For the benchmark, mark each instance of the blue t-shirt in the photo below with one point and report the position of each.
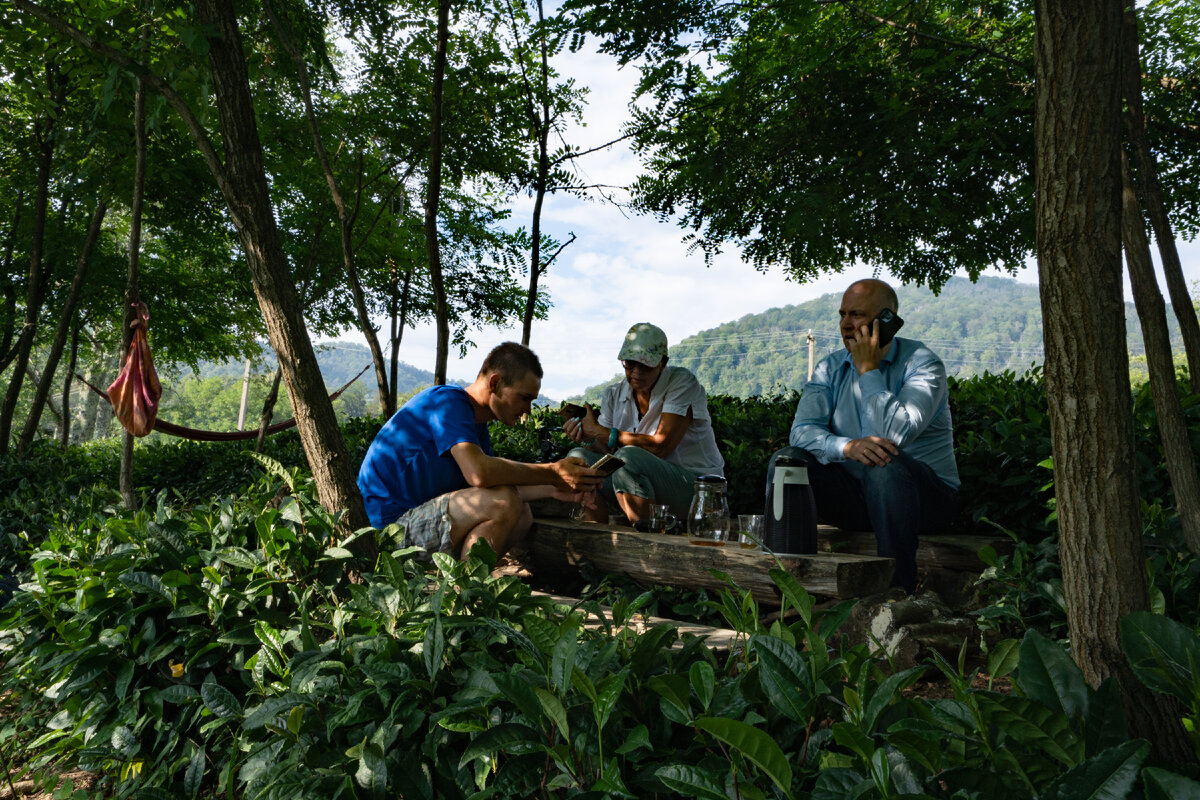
(409, 461)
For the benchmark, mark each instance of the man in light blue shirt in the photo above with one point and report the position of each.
(874, 425)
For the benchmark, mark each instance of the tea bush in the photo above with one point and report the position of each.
(216, 651)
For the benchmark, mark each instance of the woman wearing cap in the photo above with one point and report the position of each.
(656, 421)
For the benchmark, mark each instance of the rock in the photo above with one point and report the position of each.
(908, 629)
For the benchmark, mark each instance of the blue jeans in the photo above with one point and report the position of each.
(897, 501)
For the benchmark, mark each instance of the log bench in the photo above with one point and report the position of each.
(953, 552)
(557, 546)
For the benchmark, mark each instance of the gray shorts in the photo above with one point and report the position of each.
(427, 526)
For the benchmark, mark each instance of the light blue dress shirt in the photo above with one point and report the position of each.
(904, 400)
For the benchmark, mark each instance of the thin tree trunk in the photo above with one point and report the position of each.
(43, 134)
(64, 430)
(433, 197)
(345, 220)
(7, 352)
(63, 329)
(399, 321)
(243, 184)
(1152, 313)
(542, 127)
(249, 201)
(1150, 191)
(268, 410)
(132, 291)
(1078, 189)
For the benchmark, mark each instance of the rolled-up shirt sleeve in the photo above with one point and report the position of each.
(814, 417)
(903, 415)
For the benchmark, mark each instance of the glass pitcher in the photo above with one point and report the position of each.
(708, 516)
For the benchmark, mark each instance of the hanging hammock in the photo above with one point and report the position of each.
(195, 434)
(135, 393)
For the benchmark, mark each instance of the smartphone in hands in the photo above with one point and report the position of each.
(889, 322)
(572, 411)
(608, 464)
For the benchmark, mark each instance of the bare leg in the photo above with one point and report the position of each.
(635, 508)
(497, 515)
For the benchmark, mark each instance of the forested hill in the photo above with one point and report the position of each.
(993, 325)
(339, 362)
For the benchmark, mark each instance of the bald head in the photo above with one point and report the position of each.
(877, 292)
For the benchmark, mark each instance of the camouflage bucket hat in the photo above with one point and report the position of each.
(645, 344)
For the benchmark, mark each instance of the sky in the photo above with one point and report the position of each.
(624, 268)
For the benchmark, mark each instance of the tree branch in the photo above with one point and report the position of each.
(190, 120)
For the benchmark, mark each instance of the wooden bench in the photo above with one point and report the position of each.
(953, 552)
(557, 546)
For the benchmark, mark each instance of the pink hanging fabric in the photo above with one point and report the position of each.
(135, 393)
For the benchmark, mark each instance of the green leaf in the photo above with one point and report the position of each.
(689, 781)
(146, 583)
(434, 645)
(219, 700)
(1004, 657)
(838, 783)
(123, 679)
(794, 593)
(505, 736)
(1164, 655)
(178, 693)
(270, 709)
(1107, 776)
(124, 741)
(372, 768)
(239, 557)
(638, 738)
(562, 658)
(193, 777)
(754, 744)
(553, 709)
(784, 676)
(1163, 785)
(1047, 674)
(703, 681)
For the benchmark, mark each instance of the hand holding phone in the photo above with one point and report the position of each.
(608, 464)
(889, 322)
(572, 411)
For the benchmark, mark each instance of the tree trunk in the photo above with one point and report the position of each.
(43, 134)
(60, 333)
(399, 320)
(268, 410)
(433, 197)
(64, 430)
(542, 127)
(132, 292)
(249, 202)
(1078, 189)
(345, 220)
(9, 317)
(1152, 312)
(1146, 173)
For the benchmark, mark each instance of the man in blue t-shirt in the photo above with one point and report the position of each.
(873, 424)
(431, 467)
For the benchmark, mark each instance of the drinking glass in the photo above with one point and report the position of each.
(750, 530)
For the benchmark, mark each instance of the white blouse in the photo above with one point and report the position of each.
(675, 392)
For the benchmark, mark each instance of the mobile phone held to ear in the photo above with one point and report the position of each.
(572, 411)
(889, 323)
(608, 464)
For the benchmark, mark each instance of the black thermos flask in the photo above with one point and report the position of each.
(790, 518)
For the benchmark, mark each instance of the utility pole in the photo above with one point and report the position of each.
(812, 351)
(245, 392)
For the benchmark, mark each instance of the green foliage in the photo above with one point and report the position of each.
(217, 649)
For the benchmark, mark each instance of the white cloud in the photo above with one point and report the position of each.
(624, 268)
